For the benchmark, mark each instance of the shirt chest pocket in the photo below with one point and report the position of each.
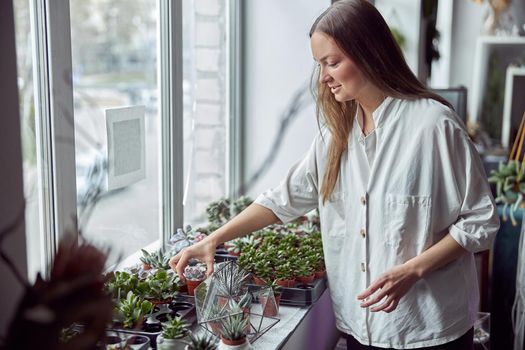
(334, 215)
(406, 222)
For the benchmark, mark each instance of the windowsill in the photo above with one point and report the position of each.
(134, 258)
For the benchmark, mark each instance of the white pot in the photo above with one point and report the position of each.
(244, 346)
(171, 344)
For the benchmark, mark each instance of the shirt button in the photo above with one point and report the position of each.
(363, 267)
(363, 233)
(363, 200)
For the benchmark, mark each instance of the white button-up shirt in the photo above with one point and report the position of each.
(425, 179)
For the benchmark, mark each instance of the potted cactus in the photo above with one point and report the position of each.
(174, 334)
(195, 273)
(233, 336)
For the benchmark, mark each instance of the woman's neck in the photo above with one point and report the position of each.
(369, 99)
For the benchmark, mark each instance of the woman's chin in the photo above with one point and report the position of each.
(341, 98)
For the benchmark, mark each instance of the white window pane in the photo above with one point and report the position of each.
(114, 48)
(205, 62)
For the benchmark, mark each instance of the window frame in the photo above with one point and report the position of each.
(54, 123)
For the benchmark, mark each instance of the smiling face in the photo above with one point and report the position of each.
(336, 69)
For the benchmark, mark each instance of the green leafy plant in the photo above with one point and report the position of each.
(303, 267)
(284, 271)
(247, 259)
(175, 328)
(120, 283)
(219, 212)
(162, 285)
(263, 269)
(510, 186)
(132, 310)
(235, 246)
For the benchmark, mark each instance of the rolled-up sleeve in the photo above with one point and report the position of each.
(297, 194)
(477, 216)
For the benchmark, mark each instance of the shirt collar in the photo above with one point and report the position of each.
(377, 115)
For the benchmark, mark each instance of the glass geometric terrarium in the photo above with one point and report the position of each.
(225, 295)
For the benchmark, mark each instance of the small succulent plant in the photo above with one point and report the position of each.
(195, 272)
(156, 260)
(204, 341)
(510, 186)
(233, 327)
(132, 310)
(175, 328)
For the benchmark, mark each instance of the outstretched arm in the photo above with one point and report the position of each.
(251, 219)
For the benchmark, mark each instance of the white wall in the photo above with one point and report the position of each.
(11, 186)
(277, 62)
(404, 16)
(467, 21)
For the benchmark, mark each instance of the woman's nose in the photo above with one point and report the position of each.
(323, 77)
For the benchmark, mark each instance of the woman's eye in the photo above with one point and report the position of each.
(332, 64)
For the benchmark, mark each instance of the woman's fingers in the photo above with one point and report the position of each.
(377, 284)
(376, 299)
(386, 304)
(181, 262)
(174, 260)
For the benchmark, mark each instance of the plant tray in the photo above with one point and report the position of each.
(222, 254)
(183, 306)
(299, 295)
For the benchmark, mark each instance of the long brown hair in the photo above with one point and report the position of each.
(363, 35)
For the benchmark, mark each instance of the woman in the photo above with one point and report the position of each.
(402, 197)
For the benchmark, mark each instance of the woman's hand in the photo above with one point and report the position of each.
(389, 288)
(203, 251)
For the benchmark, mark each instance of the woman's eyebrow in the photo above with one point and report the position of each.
(324, 57)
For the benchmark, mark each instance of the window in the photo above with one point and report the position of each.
(32, 183)
(207, 109)
(79, 58)
(115, 64)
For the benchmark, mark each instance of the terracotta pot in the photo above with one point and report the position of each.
(183, 288)
(306, 279)
(233, 342)
(269, 308)
(191, 286)
(320, 274)
(146, 267)
(289, 283)
(159, 302)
